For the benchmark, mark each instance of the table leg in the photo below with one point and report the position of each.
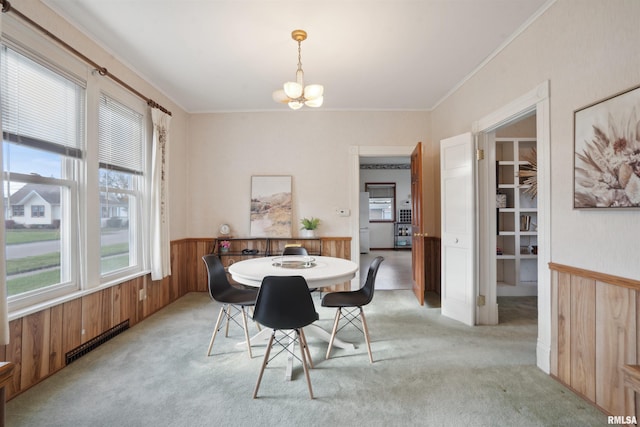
(288, 373)
(261, 338)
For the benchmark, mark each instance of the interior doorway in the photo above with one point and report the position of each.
(533, 103)
(385, 219)
(358, 155)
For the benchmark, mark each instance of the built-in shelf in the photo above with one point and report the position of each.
(516, 266)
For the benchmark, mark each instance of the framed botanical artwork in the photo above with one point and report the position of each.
(607, 152)
(271, 206)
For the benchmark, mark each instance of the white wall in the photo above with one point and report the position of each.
(311, 146)
(588, 51)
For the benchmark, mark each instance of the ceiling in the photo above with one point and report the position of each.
(230, 55)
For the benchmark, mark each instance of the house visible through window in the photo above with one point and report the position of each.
(17, 210)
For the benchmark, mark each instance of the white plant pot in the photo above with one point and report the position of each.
(307, 233)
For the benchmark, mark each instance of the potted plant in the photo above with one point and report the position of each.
(224, 246)
(309, 226)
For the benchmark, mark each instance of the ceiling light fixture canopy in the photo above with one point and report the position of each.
(296, 94)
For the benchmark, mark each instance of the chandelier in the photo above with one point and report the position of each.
(296, 94)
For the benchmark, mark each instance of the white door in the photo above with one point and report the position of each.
(457, 216)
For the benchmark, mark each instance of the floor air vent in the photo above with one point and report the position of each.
(85, 348)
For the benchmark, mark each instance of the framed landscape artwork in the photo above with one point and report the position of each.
(271, 206)
(607, 153)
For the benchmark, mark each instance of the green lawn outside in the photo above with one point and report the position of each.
(113, 257)
(18, 285)
(37, 280)
(14, 237)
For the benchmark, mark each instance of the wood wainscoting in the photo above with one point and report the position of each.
(432, 262)
(39, 341)
(594, 334)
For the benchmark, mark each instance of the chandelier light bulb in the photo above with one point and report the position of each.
(293, 90)
(313, 91)
(280, 96)
(315, 103)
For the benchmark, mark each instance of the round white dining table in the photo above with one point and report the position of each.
(318, 271)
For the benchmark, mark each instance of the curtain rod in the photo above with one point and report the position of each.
(6, 7)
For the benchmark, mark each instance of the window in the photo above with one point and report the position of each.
(382, 201)
(121, 134)
(74, 160)
(43, 133)
(37, 211)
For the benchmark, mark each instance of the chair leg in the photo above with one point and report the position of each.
(366, 334)
(304, 360)
(215, 330)
(333, 331)
(303, 344)
(226, 332)
(264, 364)
(246, 331)
(257, 324)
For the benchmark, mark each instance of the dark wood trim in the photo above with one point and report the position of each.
(6, 376)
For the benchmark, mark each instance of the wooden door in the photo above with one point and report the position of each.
(417, 241)
(458, 229)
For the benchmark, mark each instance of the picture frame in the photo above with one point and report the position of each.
(271, 206)
(607, 152)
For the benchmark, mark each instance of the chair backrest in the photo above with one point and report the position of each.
(218, 281)
(295, 250)
(284, 302)
(369, 284)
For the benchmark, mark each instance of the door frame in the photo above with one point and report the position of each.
(355, 152)
(536, 100)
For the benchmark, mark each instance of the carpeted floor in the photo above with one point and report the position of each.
(428, 370)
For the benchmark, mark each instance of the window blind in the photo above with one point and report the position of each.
(120, 136)
(40, 108)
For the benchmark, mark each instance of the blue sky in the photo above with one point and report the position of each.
(21, 159)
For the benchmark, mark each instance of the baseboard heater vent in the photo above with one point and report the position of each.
(85, 348)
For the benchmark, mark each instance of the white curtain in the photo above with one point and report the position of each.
(159, 224)
(4, 310)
